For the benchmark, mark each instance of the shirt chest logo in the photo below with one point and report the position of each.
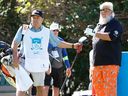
(36, 44)
(116, 33)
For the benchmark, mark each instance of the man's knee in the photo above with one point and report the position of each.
(39, 87)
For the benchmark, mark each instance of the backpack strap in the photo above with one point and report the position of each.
(24, 29)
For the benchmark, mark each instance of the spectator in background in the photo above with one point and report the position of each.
(58, 56)
(90, 87)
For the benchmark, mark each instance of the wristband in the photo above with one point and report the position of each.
(73, 45)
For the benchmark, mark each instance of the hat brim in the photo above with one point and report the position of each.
(36, 15)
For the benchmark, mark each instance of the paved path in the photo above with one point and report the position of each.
(5, 88)
(7, 91)
(7, 94)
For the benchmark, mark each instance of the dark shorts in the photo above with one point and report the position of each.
(57, 75)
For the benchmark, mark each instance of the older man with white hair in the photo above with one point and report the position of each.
(107, 52)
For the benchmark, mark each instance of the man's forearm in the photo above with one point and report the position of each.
(64, 44)
(103, 36)
(15, 54)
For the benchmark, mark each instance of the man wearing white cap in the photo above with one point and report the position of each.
(107, 52)
(58, 56)
(35, 43)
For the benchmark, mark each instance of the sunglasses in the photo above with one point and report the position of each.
(105, 10)
(35, 17)
(55, 30)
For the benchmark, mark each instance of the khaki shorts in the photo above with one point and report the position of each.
(38, 78)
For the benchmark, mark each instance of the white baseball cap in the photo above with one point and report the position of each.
(54, 26)
(108, 5)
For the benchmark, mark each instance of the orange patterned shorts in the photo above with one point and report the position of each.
(104, 80)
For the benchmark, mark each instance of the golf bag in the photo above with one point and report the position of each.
(6, 63)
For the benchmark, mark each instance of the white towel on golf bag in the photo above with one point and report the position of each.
(23, 80)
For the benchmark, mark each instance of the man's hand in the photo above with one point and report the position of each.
(16, 63)
(68, 72)
(78, 47)
(49, 71)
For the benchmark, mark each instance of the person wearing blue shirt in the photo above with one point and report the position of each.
(35, 46)
(57, 57)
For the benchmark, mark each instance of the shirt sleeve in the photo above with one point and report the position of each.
(54, 40)
(18, 36)
(116, 31)
(65, 58)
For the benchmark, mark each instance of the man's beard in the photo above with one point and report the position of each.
(104, 20)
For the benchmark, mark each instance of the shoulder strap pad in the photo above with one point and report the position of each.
(25, 28)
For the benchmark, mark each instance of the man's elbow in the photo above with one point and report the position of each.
(60, 45)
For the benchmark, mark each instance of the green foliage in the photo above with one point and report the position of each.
(9, 20)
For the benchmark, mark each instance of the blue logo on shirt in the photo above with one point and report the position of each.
(36, 44)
